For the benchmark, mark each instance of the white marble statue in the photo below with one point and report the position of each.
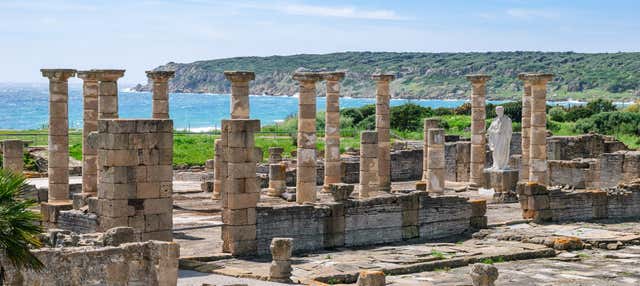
(499, 136)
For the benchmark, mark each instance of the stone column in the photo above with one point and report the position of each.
(90, 124)
(219, 169)
(108, 93)
(136, 178)
(275, 154)
(241, 193)
(160, 98)
(280, 270)
(538, 138)
(368, 162)
(435, 161)
(478, 130)
(277, 180)
(429, 123)
(383, 126)
(239, 92)
(526, 128)
(306, 162)
(58, 171)
(12, 155)
(58, 133)
(332, 130)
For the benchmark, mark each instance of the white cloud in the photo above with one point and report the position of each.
(338, 12)
(531, 13)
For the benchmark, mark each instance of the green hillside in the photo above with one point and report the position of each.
(427, 75)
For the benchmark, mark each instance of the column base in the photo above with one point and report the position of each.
(504, 183)
(51, 210)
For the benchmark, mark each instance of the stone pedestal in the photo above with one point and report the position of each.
(277, 183)
(478, 128)
(160, 99)
(526, 128)
(383, 127)
(90, 124)
(503, 182)
(13, 155)
(108, 93)
(239, 92)
(58, 171)
(332, 130)
(306, 154)
(275, 154)
(207, 180)
(368, 162)
(219, 169)
(136, 178)
(435, 161)
(241, 194)
(280, 270)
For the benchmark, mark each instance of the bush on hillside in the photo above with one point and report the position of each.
(616, 122)
(409, 117)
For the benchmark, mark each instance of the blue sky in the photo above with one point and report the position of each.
(139, 35)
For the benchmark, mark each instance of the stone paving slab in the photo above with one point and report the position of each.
(343, 265)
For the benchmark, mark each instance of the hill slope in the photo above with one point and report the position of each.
(425, 75)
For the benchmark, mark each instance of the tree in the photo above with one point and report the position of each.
(19, 226)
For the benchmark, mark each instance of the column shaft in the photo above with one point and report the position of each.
(429, 123)
(239, 93)
(383, 126)
(538, 147)
(332, 173)
(108, 93)
(368, 162)
(525, 132)
(478, 128)
(12, 155)
(90, 124)
(160, 97)
(436, 161)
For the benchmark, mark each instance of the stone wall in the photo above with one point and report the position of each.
(363, 222)
(143, 263)
(578, 173)
(582, 146)
(618, 167)
(557, 204)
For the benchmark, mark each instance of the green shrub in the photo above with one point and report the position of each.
(353, 113)
(601, 105)
(464, 109)
(369, 123)
(409, 117)
(512, 109)
(616, 122)
(441, 111)
(577, 112)
(557, 113)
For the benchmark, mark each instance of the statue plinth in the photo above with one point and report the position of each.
(503, 182)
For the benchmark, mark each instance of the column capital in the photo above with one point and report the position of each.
(383, 77)
(536, 78)
(307, 76)
(478, 78)
(239, 76)
(333, 76)
(89, 75)
(109, 75)
(160, 76)
(58, 74)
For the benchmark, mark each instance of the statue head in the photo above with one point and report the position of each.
(499, 111)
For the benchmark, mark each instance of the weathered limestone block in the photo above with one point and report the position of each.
(275, 154)
(383, 126)
(277, 183)
(371, 278)
(13, 155)
(538, 133)
(160, 98)
(239, 92)
(611, 169)
(578, 173)
(219, 169)
(90, 124)
(429, 123)
(478, 118)
(368, 162)
(280, 270)
(503, 182)
(306, 153)
(483, 274)
(478, 218)
(534, 201)
(526, 128)
(108, 93)
(435, 161)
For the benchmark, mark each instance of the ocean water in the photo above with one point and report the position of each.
(26, 107)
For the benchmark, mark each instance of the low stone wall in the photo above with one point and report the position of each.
(582, 146)
(619, 167)
(78, 221)
(557, 204)
(579, 173)
(141, 263)
(363, 222)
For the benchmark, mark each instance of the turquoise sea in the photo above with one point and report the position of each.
(24, 106)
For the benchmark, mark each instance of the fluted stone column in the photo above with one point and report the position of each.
(538, 145)
(90, 124)
(429, 123)
(435, 159)
(332, 130)
(306, 162)
(383, 126)
(108, 93)
(58, 133)
(12, 155)
(239, 92)
(160, 98)
(478, 117)
(368, 162)
(219, 170)
(526, 128)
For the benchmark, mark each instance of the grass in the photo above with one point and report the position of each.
(498, 259)
(438, 254)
